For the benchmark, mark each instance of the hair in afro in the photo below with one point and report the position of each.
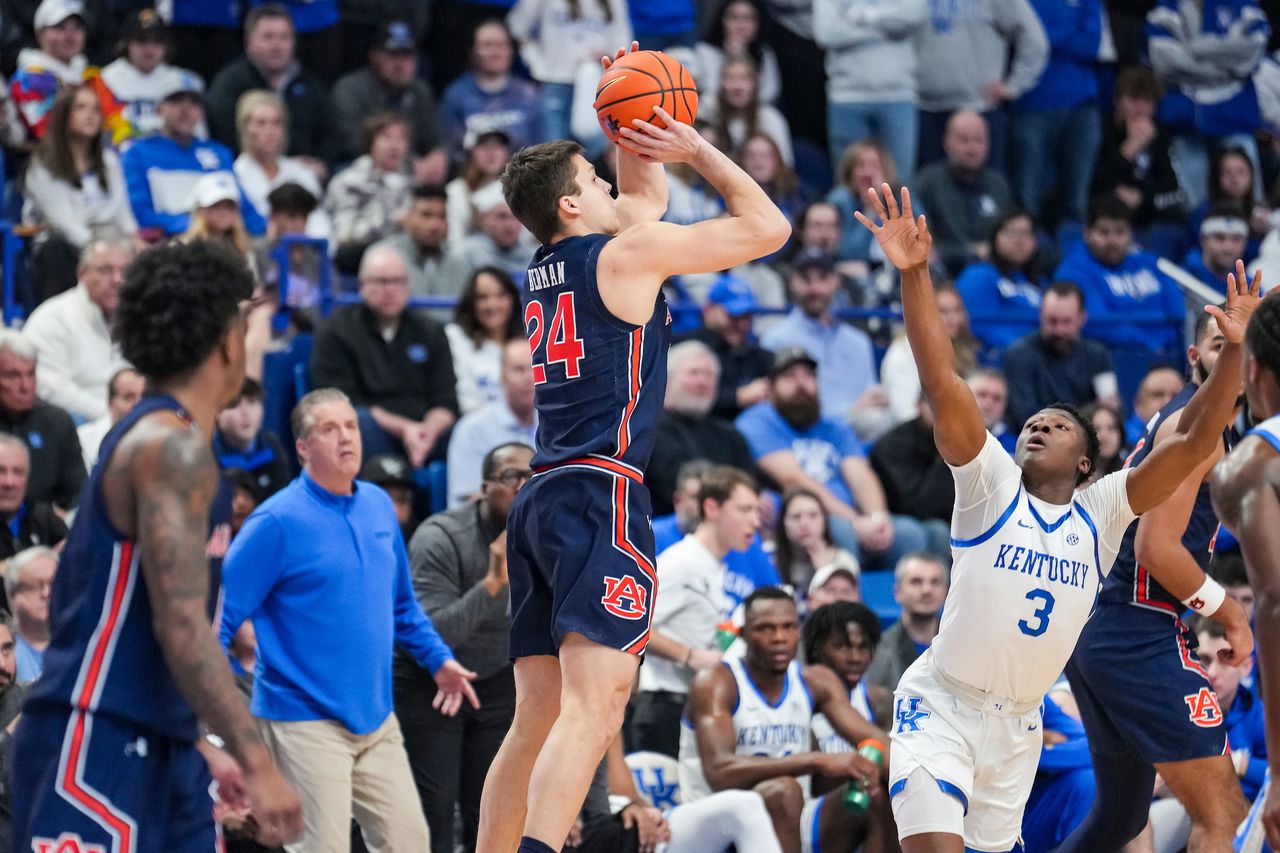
(176, 303)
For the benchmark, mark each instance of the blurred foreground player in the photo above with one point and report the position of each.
(1246, 495)
(106, 754)
(580, 548)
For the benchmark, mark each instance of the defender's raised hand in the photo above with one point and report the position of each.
(905, 239)
(1243, 297)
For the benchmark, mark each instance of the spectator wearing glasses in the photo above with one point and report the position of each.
(28, 581)
(459, 561)
(393, 363)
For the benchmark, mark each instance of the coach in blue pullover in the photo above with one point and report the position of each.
(322, 571)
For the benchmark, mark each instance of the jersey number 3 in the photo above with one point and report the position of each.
(1041, 616)
(563, 344)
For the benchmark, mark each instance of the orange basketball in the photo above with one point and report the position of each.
(637, 83)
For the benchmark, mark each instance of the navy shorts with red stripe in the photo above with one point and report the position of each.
(93, 783)
(1141, 689)
(580, 558)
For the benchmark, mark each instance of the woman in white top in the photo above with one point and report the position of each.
(898, 374)
(75, 188)
(734, 33)
(803, 546)
(487, 155)
(261, 120)
(485, 318)
(556, 37)
(739, 113)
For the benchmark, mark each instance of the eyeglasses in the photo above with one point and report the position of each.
(512, 477)
(386, 281)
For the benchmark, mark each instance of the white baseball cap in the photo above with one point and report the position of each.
(178, 84)
(215, 187)
(489, 197)
(827, 572)
(50, 13)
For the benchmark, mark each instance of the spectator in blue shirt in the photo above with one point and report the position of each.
(323, 573)
(1056, 127)
(1002, 293)
(1131, 302)
(797, 448)
(1064, 787)
(1223, 237)
(161, 171)
(1055, 364)
(488, 97)
(659, 24)
(844, 355)
(1160, 385)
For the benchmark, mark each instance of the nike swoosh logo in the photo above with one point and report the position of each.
(1032, 728)
(1022, 523)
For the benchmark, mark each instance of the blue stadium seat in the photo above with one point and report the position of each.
(433, 479)
(877, 593)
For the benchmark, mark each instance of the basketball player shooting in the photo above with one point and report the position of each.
(1246, 495)
(580, 550)
(1029, 555)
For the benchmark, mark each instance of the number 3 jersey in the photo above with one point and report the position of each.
(600, 381)
(1025, 575)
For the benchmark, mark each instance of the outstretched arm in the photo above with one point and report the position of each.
(958, 428)
(1208, 412)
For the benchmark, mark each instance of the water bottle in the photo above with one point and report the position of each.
(856, 798)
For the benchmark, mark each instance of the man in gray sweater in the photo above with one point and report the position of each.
(459, 564)
(981, 54)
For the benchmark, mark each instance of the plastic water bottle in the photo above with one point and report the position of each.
(856, 799)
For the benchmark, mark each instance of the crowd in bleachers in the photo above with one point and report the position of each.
(1080, 165)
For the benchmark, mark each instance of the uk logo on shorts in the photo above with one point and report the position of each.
(624, 598)
(1204, 708)
(67, 842)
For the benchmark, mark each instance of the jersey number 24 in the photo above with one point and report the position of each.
(563, 344)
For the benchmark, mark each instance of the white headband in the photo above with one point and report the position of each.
(1224, 225)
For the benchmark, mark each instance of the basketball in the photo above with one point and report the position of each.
(637, 83)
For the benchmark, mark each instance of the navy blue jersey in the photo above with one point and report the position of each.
(103, 656)
(1130, 582)
(600, 381)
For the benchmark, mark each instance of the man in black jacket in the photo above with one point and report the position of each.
(744, 364)
(270, 63)
(26, 523)
(687, 429)
(916, 480)
(394, 364)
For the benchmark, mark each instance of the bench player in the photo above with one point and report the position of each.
(749, 726)
(1246, 494)
(105, 758)
(1030, 553)
(1146, 703)
(580, 548)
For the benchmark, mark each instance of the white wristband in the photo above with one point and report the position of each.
(1208, 598)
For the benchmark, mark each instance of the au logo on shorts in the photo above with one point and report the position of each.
(1204, 709)
(624, 598)
(67, 842)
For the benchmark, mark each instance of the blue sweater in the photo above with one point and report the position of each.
(206, 13)
(1001, 308)
(161, 175)
(663, 16)
(1131, 304)
(1245, 730)
(308, 15)
(1070, 79)
(325, 579)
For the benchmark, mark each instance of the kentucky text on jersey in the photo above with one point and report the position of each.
(774, 734)
(1028, 561)
(551, 275)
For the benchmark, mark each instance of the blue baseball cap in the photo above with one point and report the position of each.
(733, 295)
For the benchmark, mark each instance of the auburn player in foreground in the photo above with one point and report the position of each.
(580, 548)
(1246, 495)
(1030, 553)
(106, 756)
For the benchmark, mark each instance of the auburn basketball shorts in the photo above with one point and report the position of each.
(92, 783)
(580, 557)
(1141, 689)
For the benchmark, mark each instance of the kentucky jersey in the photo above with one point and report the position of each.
(1129, 581)
(600, 381)
(826, 736)
(103, 656)
(761, 727)
(1025, 575)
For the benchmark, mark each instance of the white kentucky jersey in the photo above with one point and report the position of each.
(760, 727)
(826, 736)
(1268, 431)
(1025, 576)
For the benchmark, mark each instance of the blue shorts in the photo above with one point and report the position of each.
(580, 558)
(1141, 688)
(97, 784)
